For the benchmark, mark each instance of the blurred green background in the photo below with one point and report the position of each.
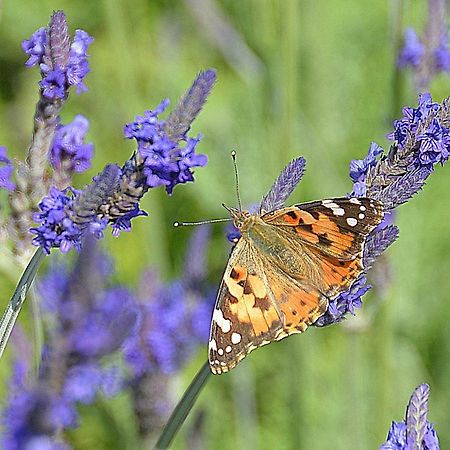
(294, 78)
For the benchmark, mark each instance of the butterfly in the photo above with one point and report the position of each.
(283, 271)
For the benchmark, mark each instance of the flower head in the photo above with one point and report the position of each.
(166, 162)
(69, 151)
(63, 64)
(35, 47)
(360, 167)
(415, 432)
(344, 303)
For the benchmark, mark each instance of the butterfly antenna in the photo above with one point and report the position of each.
(202, 222)
(236, 175)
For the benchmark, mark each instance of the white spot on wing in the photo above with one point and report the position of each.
(337, 210)
(362, 208)
(220, 351)
(355, 201)
(228, 348)
(361, 216)
(222, 323)
(236, 338)
(351, 221)
(213, 345)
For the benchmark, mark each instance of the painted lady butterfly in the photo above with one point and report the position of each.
(283, 271)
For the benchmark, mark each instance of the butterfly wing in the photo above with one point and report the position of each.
(258, 303)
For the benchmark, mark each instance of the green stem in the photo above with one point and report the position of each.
(15, 304)
(183, 408)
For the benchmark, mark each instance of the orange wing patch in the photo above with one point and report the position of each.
(270, 306)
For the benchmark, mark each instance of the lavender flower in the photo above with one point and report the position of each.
(165, 161)
(283, 186)
(421, 140)
(62, 64)
(69, 153)
(415, 433)
(35, 47)
(57, 229)
(175, 321)
(344, 303)
(78, 65)
(413, 50)
(360, 167)
(429, 54)
(167, 337)
(113, 196)
(86, 323)
(6, 171)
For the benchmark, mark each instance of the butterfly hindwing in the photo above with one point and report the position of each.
(258, 303)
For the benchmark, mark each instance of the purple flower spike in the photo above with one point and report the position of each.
(442, 55)
(413, 50)
(179, 121)
(416, 432)
(166, 162)
(6, 171)
(69, 151)
(63, 64)
(421, 140)
(284, 186)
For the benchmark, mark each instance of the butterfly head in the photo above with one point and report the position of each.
(242, 220)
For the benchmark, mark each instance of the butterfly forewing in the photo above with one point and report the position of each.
(338, 227)
(283, 271)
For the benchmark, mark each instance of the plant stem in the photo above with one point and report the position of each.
(15, 304)
(183, 408)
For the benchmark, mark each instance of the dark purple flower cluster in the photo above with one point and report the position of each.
(69, 68)
(344, 303)
(414, 51)
(69, 152)
(57, 228)
(34, 416)
(415, 431)
(432, 137)
(6, 171)
(166, 162)
(86, 324)
(175, 322)
(360, 167)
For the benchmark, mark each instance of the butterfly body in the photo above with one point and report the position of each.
(283, 271)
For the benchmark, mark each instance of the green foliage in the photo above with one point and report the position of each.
(294, 78)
